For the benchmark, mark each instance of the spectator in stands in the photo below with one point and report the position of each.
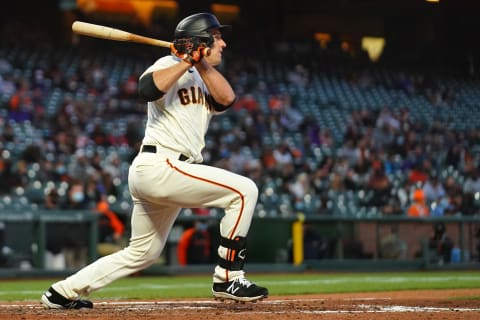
(8, 133)
(418, 207)
(80, 167)
(433, 189)
(327, 138)
(194, 245)
(18, 177)
(56, 233)
(72, 240)
(387, 119)
(60, 171)
(98, 135)
(52, 199)
(418, 175)
(76, 198)
(20, 104)
(337, 182)
(247, 102)
(458, 205)
(440, 207)
(440, 244)
(454, 155)
(392, 246)
(284, 159)
(5, 175)
(290, 117)
(298, 76)
(299, 188)
(315, 246)
(471, 189)
(456, 197)
(275, 102)
(348, 151)
(111, 229)
(238, 160)
(379, 183)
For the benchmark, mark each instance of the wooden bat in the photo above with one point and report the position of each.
(103, 32)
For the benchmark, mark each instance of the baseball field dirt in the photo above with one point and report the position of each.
(396, 305)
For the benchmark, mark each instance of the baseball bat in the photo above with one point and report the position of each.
(103, 32)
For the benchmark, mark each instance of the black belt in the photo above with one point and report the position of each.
(153, 149)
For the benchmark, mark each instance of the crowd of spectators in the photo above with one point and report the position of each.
(76, 149)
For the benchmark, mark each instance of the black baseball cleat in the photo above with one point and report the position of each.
(51, 299)
(239, 290)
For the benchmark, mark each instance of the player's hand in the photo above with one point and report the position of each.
(189, 51)
(197, 55)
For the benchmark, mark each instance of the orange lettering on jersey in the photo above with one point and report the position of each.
(184, 97)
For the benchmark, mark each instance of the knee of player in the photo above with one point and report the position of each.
(147, 253)
(250, 189)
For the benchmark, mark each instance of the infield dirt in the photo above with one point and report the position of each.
(396, 305)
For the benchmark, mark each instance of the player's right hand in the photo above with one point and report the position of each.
(189, 51)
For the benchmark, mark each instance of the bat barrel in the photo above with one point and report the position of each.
(104, 32)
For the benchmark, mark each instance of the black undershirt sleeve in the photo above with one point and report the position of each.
(220, 107)
(147, 89)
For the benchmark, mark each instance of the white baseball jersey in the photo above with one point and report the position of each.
(179, 120)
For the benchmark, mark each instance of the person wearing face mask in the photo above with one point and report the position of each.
(76, 197)
(66, 241)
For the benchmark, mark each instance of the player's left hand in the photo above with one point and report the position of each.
(189, 50)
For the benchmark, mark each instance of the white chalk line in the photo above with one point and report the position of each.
(249, 308)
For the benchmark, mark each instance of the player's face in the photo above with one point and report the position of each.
(215, 57)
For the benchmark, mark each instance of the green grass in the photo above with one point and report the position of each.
(278, 284)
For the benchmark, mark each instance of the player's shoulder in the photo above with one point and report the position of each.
(165, 61)
(161, 63)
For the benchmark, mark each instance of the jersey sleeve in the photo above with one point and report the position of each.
(161, 63)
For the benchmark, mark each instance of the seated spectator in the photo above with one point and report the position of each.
(471, 189)
(418, 207)
(52, 199)
(418, 174)
(248, 102)
(440, 207)
(380, 184)
(299, 187)
(433, 189)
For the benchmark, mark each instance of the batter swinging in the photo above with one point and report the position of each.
(184, 91)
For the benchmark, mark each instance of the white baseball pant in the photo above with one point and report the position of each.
(161, 185)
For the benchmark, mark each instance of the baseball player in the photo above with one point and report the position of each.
(184, 90)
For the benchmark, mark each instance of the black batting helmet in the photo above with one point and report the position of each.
(198, 25)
